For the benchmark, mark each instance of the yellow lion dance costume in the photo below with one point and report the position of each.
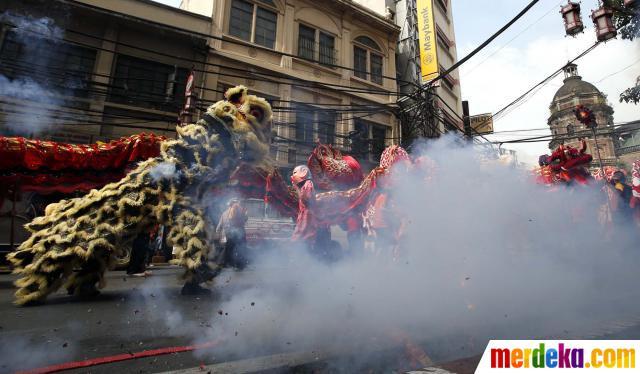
(90, 232)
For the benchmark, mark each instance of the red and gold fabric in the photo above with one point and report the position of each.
(17, 153)
(48, 167)
(331, 170)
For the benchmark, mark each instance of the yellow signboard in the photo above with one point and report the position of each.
(427, 38)
(482, 123)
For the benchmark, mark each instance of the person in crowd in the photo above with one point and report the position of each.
(635, 185)
(139, 253)
(306, 229)
(232, 235)
(621, 205)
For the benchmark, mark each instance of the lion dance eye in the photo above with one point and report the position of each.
(257, 112)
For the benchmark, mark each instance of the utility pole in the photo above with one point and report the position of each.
(466, 121)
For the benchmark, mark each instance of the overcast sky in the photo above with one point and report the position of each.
(525, 54)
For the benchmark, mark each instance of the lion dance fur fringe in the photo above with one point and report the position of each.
(77, 240)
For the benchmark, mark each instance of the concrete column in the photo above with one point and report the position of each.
(210, 79)
(346, 54)
(390, 84)
(105, 59)
(217, 22)
(345, 126)
(286, 30)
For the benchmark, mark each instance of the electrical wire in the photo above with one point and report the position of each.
(484, 44)
(514, 38)
(227, 40)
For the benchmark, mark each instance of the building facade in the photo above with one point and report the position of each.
(97, 70)
(119, 67)
(82, 71)
(448, 95)
(628, 150)
(566, 129)
(334, 69)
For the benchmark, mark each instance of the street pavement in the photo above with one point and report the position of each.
(127, 317)
(134, 315)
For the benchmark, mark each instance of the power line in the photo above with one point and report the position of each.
(381, 91)
(77, 73)
(619, 71)
(304, 82)
(226, 40)
(543, 82)
(515, 37)
(484, 44)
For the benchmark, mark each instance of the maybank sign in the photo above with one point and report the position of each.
(552, 356)
(427, 39)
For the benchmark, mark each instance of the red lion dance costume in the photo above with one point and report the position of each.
(566, 164)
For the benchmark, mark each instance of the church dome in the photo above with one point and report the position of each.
(574, 85)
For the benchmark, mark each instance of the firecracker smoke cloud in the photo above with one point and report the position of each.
(487, 254)
(36, 92)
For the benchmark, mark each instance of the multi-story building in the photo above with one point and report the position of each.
(405, 14)
(327, 67)
(628, 149)
(96, 70)
(119, 67)
(82, 71)
(565, 128)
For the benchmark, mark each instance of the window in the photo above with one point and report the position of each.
(449, 81)
(312, 124)
(326, 126)
(378, 135)
(148, 84)
(367, 59)
(376, 68)
(242, 25)
(306, 42)
(291, 156)
(443, 41)
(368, 139)
(65, 69)
(360, 62)
(316, 45)
(304, 125)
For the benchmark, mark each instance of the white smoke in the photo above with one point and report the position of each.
(487, 254)
(163, 171)
(34, 97)
(27, 26)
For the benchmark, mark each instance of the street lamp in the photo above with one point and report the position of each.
(572, 20)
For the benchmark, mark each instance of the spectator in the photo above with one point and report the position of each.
(232, 235)
(139, 253)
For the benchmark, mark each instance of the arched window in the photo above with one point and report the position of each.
(367, 59)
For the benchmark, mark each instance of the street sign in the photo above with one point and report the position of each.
(482, 124)
(427, 40)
